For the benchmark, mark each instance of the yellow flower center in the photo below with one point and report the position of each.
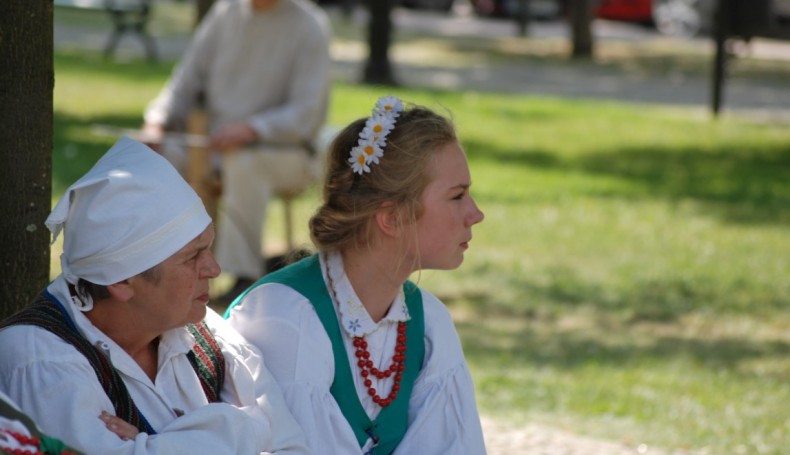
(377, 128)
(369, 150)
(361, 160)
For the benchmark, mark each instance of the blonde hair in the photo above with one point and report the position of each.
(350, 200)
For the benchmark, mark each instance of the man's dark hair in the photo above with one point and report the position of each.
(100, 292)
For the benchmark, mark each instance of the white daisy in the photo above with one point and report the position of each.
(390, 104)
(378, 125)
(358, 160)
(371, 149)
(379, 139)
(373, 137)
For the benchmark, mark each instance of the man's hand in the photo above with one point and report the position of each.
(153, 135)
(232, 137)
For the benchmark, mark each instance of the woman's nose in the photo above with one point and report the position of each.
(210, 267)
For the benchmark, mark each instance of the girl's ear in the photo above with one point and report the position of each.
(122, 291)
(388, 219)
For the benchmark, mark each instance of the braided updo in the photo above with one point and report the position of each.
(350, 200)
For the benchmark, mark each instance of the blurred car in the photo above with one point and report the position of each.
(675, 17)
(683, 17)
(538, 9)
(625, 10)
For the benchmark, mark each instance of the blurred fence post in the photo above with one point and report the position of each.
(522, 17)
(378, 69)
(735, 18)
(720, 32)
(581, 17)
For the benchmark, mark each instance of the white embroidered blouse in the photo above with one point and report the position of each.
(283, 324)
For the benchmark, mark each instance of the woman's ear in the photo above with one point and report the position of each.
(388, 219)
(121, 291)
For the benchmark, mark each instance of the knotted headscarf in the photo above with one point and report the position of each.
(130, 212)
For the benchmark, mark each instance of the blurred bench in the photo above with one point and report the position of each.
(127, 16)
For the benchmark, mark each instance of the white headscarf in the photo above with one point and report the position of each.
(130, 212)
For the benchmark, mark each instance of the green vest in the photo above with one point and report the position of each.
(391, 423)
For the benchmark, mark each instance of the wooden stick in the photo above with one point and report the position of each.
(200, 171)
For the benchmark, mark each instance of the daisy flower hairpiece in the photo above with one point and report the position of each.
(373, 137)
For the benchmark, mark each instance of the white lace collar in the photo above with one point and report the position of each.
(354, 318)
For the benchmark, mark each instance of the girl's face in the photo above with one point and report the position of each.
(449, 212)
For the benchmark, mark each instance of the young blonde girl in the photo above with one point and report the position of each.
(367, 361)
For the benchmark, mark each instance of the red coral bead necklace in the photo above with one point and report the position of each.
(366, 368)
(365, 364)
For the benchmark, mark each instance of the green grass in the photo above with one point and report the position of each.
(89, 91)
(630, 280)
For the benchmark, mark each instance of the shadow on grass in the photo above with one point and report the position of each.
(735, 183)
(506, 339)
(662, 300)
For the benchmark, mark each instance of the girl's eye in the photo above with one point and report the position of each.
(459, 196)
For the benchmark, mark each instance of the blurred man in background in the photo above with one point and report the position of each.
(261, 70)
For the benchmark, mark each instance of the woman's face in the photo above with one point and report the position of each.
(180, 295)
(449, 212)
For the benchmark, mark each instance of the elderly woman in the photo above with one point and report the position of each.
(119, 354)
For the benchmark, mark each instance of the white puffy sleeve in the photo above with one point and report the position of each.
(283, 325)
(443, 415)
(250, 386)
(55, 385)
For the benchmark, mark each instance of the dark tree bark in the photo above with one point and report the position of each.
(581, 17)
(26, 84)
(378, 69)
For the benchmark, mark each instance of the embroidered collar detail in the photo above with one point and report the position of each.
(354, 318)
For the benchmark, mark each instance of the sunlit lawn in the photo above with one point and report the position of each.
(630, 280)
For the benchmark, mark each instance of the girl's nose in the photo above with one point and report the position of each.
(477, 215)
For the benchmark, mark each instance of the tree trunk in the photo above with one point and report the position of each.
(378, 69)
(26, 83)
(201, 8)
(581, 17)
